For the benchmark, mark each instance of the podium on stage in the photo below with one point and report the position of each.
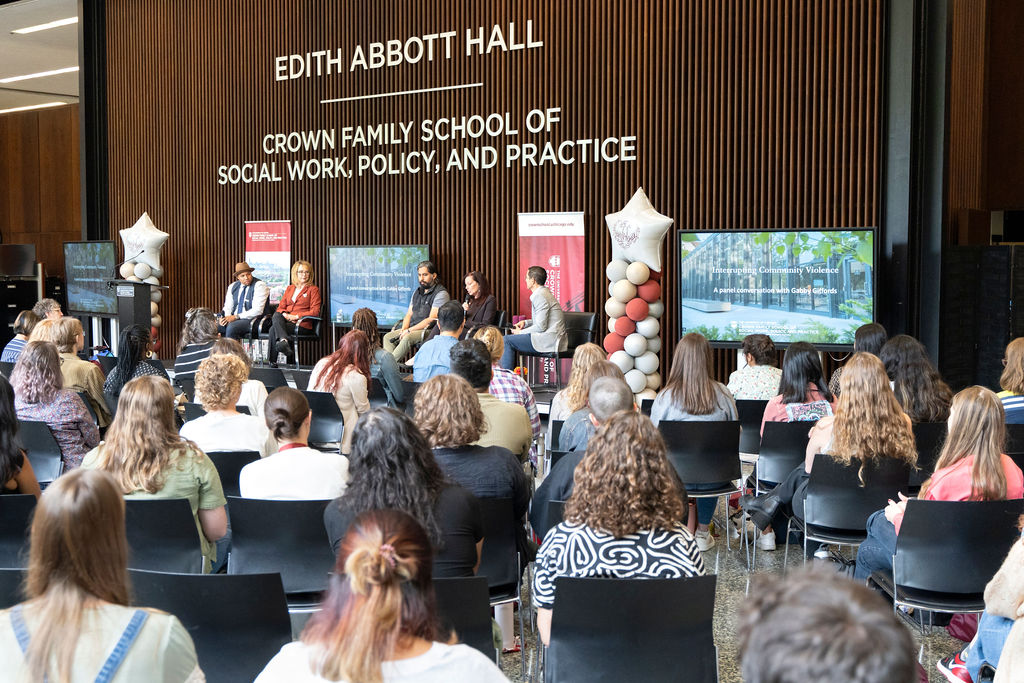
(133, 299)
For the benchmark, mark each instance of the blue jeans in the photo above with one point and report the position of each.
(705, 506)
(513, 343)
(875, 553)
(987, 646)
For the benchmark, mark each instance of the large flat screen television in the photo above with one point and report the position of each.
(793, 285)
(88, 266)
(380, 278)
(18, 260)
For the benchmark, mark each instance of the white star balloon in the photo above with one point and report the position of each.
(637, 231)
(142, 242)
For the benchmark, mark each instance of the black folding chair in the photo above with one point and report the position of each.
(107, 363)
(1015, 438)
(410, 396)
(580, 328)
(187, 386)
(238, 623)
(499, 558)
(626, 630)
(301, 378)
(11, 581)
(272, 378)
(463, 606)
(751, 412)
(646, 404)
(88, 406)
(15, 517)
(229, 465)
(328, 425)
(376, 393)
(162, 535)
(42, 449)
(556, 431)
(6, 369)
(783, 448)
(929, 437)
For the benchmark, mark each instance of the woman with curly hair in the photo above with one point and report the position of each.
(626, 509)
(393, 467)
(197, 337)
(379, 620)
(39, 395)
(574, 396)
(16, 475)
(915, 381)
(254, 392)
(1012, 382)
(148, 459)
(383, 365)
(346, 374)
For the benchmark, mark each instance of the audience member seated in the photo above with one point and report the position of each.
(691, 394)
(346, 373)
(254, 393)
(378, 621)
(198, 335)
(245, 300)
(815, 625)
(16, 475)
(77, 625)
(301, 298)
(79, 375)
(545, 330)
(296, 471)
(23, 326)
(393, 467)
(507, 385)
(133, 350)
(505, 424)
(148, 459)
(972, 466)
(574, 397)
(803, 396)
(607, 397)
(39, 395)
(578, 428)
(223, 428)
(759, 378)
(383, 365)
(1012, 382)
(627, 510)
(47, 309)
(915, 381)
(999, 643)
(869, 425)
(433, 357)
(868, 338)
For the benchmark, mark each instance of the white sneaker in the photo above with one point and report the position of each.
(822, 553)
(766, 541)
(734, 525)
(705, 541)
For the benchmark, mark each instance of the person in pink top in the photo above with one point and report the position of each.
(972, 466)
(804, 395)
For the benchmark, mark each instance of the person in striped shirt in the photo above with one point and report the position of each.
(1012, 382)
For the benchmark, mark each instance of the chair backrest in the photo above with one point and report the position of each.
(15, 516)
(929, 437)
(88, 406)
(6, 369)
(463, 606)
(376, 393)
(42, 449)
(498, 558)
(301, 378)
(836, 498)
(954, 546)
(1017, 458)
(1015, 438)
(783, 447)
(633, 630)
(556, 513)
(111, 401)
(306, 333)
(11, 581)
(194, 411)
(107, 363)
(328, 425)
(703, 452)
(556, 456)
(646, 404)
(410, 396)
(187, 386)
(285, 536)
(579, 328)
(501, 320)
(229, 465)
(162, 535)
(238, 623)
(556, 430)
(750, 411)
(272, 378)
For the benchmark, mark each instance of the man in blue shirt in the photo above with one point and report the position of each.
(434, 358)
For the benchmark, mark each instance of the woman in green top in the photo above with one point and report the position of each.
(148, 459)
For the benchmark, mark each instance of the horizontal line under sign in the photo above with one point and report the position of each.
(402, 92)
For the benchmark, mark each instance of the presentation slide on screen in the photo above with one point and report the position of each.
(380, 278)
(88, 267)
(801, 285)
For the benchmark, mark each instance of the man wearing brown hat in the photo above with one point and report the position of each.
(246, 299)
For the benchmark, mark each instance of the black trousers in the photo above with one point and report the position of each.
(281, 328)
(792, 492)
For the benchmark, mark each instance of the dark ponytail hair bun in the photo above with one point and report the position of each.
(285, 411)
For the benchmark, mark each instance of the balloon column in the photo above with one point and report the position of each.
(142, 244)
(634, 305)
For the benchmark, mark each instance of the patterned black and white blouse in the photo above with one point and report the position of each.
(580, 551)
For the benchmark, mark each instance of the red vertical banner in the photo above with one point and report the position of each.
(268, 249)
(553, 241)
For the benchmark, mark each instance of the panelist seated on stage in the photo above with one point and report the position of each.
(246, 298)
(301, 298)
(426, 300)
(545, 330)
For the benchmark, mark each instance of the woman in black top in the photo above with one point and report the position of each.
(392, 466)
(131, 360)
(480, 304)
(16, 475)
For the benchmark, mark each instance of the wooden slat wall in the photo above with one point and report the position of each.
(750, 114)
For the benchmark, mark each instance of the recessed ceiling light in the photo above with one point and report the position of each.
(43, 27)
(44, 105)
(41, 74)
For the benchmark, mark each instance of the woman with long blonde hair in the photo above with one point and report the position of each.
(148, 459)
(1012, 382)
(379, 623)
(78, 596)
(574, 396)
(971, 466)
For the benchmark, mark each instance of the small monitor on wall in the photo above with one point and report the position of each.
(17, 260)
(793, 285)
(88, 267)
(381, 278)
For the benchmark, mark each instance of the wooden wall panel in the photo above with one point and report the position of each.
(749, 114)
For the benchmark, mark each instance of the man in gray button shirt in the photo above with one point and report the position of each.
(545, 331)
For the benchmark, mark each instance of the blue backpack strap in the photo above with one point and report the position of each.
(131, 632)
(20, 629)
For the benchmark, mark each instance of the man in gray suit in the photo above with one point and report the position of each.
(545, 331)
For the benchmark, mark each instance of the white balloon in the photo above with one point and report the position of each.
(157, 321)
(654, 344)
(624, 291)
(638, 272)
(649, 327)
(616, 270)
(611, 288)
(614, 308)
(153, 308)
(656, 309)
(157, 271)
(638, 231)
(155, 295)
(611, 323)
(143, 270)
(647, 363)
(127, 269)
(635, 345)
(143, 241)
(636, 380)
(654, 381)
(151, 280)
(645, 394)
(623, 360)
(133, 278)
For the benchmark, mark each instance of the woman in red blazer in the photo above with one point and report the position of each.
(301, 298)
